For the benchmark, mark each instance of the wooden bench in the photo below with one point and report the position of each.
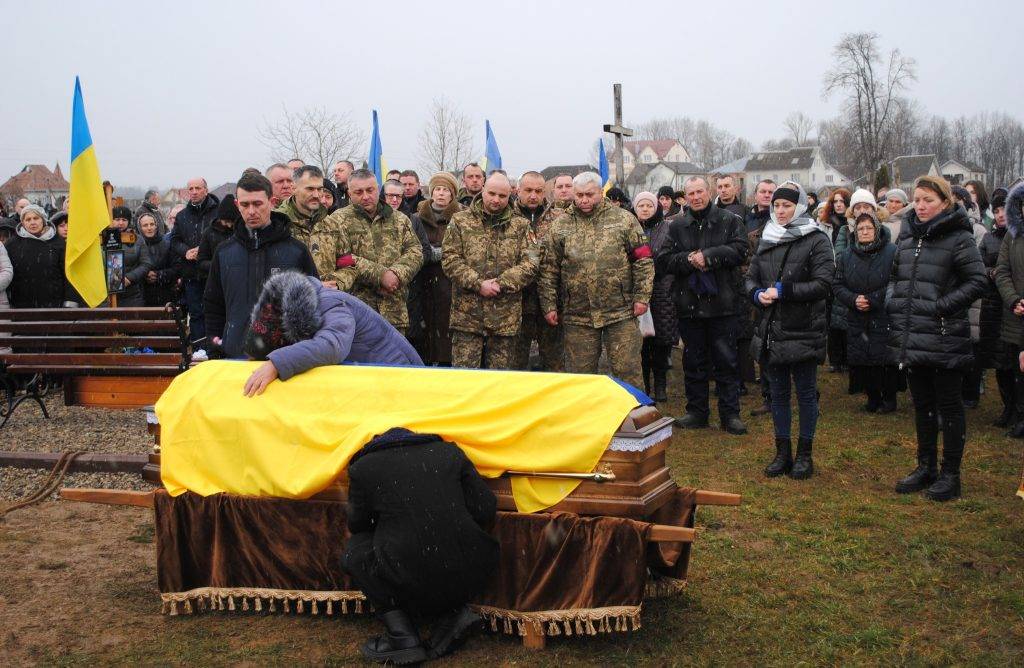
(94, 352)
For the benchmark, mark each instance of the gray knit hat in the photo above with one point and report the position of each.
(36, 209)
(898, 194)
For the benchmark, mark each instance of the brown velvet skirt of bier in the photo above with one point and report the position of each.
(559, 572)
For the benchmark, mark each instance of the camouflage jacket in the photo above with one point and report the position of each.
(317, 232)
(365, 250)
(539, 229)
(478, 247)
(596, 267)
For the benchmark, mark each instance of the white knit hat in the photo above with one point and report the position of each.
(862, 196)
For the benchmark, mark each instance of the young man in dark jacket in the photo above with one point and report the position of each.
(418, 513)
(705, 248)
(260, 247)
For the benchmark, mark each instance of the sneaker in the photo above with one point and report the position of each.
(200, 356)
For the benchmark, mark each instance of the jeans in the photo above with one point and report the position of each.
(192, 297)
(805, 377)
(709, 351)
(938, 391)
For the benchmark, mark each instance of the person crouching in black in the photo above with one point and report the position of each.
(418, 513)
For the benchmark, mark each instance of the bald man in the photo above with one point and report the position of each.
(490, 256)
(189, 226)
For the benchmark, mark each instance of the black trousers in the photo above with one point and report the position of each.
(878, 382)
(654, 354)
(709, 353)
(837, 347)
(361, 563)
(934, 392)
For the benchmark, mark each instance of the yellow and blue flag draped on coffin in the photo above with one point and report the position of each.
(294, 439)
(88, 214)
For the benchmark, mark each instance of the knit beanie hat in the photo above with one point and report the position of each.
(36, 209)
(786, 193)
(228, 210)
(862, 196)
(121, 212)
(964, 195)
(897, 193)
(444, 180)
(62, 217)
(645, 195)
(666, 191)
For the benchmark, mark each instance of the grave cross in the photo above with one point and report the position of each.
(619, 131)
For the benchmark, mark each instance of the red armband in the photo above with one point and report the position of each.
(345, 261)
(640, 252)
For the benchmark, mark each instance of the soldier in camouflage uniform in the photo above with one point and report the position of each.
(532, 206)
(596, 280)
(377, 253)
(303, 207)
(488, 255)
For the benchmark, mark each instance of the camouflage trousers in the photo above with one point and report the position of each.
(472, 351)
(549, 341)
(620, 340)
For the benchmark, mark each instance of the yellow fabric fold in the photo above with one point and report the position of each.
(294, 439)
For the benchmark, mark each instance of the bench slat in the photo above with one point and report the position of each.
(59, 343)
(91, 359)
(64, 314)
(88, 370)
(90, 327)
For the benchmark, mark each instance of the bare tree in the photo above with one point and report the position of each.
(707, 144)
(872, 88)
(446, 141)
(314, 135)
(799, 126)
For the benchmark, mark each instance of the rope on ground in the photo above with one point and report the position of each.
(48, 486)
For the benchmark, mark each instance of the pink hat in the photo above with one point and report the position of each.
(645, 195)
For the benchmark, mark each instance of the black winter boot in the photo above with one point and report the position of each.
(945, 488)
(450, 631)
(647, 381)
(921, 477)
(660, 393)
(783, 461)
(400, 645)
(803, 466)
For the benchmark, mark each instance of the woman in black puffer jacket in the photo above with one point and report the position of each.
(936, 275)
(654, 354)
(790, 279)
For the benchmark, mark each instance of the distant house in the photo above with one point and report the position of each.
(39, 185)
(906, 169)
(645, 151)
(804, 165)
(223, 189)
(959, 172)
(173, 198)
(650, 177)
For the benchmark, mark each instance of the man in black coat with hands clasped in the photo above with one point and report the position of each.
(706, 246)
(417, 511)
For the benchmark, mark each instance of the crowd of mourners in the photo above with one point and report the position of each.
(920, 291)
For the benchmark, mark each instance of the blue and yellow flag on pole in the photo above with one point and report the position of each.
(602, 166)
(375, 161)
(88, 214)
(492, 156)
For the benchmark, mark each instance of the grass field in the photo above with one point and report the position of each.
(834, 570)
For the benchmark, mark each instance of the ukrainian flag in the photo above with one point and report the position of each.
(375, 161)
(602, 166)
(492, 156)
(88, 214)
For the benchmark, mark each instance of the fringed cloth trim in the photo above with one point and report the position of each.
(661, 587)
(556, 622)
(256, 599)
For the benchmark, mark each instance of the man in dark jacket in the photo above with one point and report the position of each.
(759, 214)
(411, 193)
(417, 512)
(189, 225)
(727, 198)
(260, 247)
(705, 248)
(342, 170)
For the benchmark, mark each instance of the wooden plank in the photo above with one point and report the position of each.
(114, 497)
(85, 370)
(707, 498)
(90, 326)
(666, 533)
(107, 400)
(62, 314)
(63, 343)
(130, 384)
(92, 359)
(92, 463)
(532, 638)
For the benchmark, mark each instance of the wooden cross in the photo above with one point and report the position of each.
(619, 131)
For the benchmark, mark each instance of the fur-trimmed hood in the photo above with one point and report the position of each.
(1014, 216)
(286, 312)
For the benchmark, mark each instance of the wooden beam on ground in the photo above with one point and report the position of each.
(92, 463)
(114, 497)
(666, 533)
(706, 498)
(531, 638)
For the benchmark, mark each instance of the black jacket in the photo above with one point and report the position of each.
(936, 275)
(990, 346)
(734, 208)
(427, 509)
(756, 219)
(409, 204)
(216, 234)
(721, 237)
(793, 329)
(38, 264)
(865, 271)
(158, 254)
(189, 226)
(663, 308)
(239, 268)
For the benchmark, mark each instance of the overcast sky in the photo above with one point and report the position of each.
(175, 90)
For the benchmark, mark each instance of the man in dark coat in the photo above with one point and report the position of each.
(760, 212)
(728, 198)
(260, 247)
(189, 226)
(411, 193)
(418, 513)
(705, 248)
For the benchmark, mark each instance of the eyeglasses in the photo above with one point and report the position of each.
(392, 195)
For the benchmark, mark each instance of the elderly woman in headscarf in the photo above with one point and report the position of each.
(654, 354)
(790, 278)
